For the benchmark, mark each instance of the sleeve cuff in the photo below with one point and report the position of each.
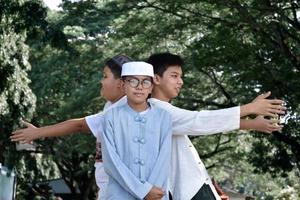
(145, 190)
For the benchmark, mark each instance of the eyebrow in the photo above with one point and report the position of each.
(176, 73)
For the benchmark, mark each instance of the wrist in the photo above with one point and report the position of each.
(247, 109)
(36, 134)
(248, 124)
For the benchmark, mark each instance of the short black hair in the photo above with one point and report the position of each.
(115, 64)
(161, 62)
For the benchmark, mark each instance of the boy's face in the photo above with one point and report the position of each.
(170, 83)
(137, 88)
(111, 88)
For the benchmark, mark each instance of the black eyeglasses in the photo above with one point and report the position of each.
(134, 82)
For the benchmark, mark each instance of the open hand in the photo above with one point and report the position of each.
(25, 135)
(268, 107)
(266, 125)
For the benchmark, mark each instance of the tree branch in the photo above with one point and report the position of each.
(286, 50)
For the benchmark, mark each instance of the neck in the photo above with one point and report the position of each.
(117, 98)
(138, 107)
(158, 94)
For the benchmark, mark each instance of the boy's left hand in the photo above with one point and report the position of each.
(266, 125)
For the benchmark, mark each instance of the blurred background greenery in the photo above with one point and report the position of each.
(51, 63)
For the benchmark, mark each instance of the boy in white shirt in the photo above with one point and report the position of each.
(189, 178)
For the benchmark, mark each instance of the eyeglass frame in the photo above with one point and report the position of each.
(140, 82)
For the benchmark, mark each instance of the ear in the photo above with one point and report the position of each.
(156, 79)
(120, 83)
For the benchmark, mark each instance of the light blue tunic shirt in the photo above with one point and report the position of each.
(136, 151)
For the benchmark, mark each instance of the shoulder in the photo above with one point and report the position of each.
(116, 110)
(93, 119)
(173, 110)
(159, 110)
(161, 104)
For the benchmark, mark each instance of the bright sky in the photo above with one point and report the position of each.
(52, 4)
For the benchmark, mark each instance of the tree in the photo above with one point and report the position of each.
(240, 48)
(233, 51)
(16, 98)
(72, 71)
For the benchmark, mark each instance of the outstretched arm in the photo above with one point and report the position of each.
(186, 122)
(31, 133)
(83, 125)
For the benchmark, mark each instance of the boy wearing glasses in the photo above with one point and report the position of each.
(136, 140)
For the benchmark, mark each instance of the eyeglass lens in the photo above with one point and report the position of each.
(133, 82)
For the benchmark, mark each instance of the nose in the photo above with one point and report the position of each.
(180, 81)
(101, 81)
(139, 86)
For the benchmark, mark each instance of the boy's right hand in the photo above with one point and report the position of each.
(155, 193)
(267, 107)
(25, 135)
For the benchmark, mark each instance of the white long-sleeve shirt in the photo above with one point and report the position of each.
(188, 173)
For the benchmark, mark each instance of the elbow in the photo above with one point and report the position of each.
(79, 125)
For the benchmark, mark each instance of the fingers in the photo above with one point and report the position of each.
(16, 138)
(21, 135)
(277, 109)
(268, 125)
(271, 112)
(269, 107)
(155, 193)
(20, 138)
(160, 192)
(265, 95)
(16, 132)
(275, 101)
(271, 130)
(274, 127)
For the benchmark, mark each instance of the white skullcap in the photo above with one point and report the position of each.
(137, 68)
